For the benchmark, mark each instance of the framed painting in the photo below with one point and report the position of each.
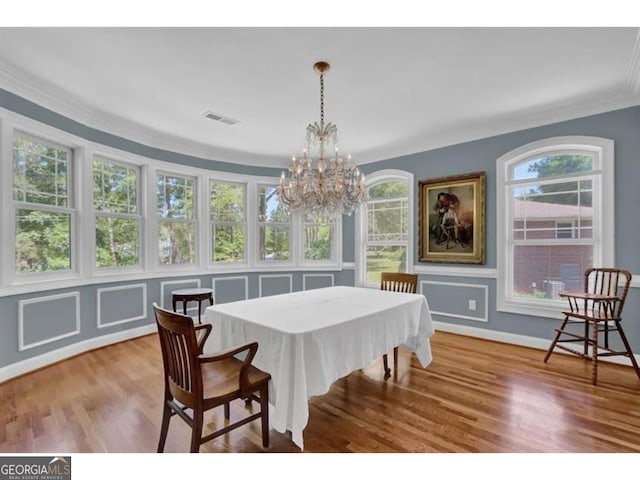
(451, 226)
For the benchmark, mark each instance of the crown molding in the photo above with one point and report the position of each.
(514, 122)
(633, 76)
(61, 102)
(48, 96)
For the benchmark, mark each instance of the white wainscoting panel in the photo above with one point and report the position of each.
(21, 319)
(309, 275)
(261, 278)
(215, 280)
(485, 291)
(142, 297)
(178, 283)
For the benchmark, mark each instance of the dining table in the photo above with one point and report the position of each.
(309, 339)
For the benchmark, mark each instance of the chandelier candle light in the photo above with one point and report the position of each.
(334, 188)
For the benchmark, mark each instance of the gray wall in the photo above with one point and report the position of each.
(68, 316)
(72, 314)
(622, 126)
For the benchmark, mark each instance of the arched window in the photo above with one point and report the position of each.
(555, 220)
(385, 238)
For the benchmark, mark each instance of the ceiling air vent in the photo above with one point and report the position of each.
(220, 118)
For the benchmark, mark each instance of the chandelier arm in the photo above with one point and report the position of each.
(334, 188)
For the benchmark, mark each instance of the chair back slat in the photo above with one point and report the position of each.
(180, 350)
(608, 281)
(399, 282)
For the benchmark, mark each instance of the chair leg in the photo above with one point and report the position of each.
(166, 416)
(395, 359)
(385, 361)
(196, 431)
(555, 340)
(264, 412)
(594, 354)
(226, 411)
(586, 338)
(628, 348)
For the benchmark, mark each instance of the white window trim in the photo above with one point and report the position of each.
(602, 150)
(130, 269)
(195, 220)
(294, 233)
(73, 209)
(336, 246)
(84, 249)
(210, 224)
(361, 219)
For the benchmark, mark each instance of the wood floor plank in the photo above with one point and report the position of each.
(476, 396)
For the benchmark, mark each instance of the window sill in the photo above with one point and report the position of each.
(549, 310)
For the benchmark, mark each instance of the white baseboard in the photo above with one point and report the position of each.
(34, 363)
(515, 339)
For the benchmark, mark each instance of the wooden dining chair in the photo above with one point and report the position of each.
(197, 382)
(396, 282)
(596, 311)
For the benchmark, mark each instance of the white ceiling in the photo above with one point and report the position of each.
(391, 91)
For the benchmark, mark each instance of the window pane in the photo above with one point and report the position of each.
(385, 259)
(393, 189)
(116, 242)
(227, 202)
(40, 172)
(175, 197)
(542, 271)
(228, 243)
(176, 243)
(387, 220)
(274, 243)
(269, 207)
(318, 240)
(552, 166)
(537, 209)
(114, 187)
(43, 241)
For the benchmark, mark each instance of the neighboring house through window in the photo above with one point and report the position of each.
(555, 220)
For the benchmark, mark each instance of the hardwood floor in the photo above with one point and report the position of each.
(476, 396)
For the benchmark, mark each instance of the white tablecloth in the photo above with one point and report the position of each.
(309, 339)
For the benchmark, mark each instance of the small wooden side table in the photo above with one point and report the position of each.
(191, 295)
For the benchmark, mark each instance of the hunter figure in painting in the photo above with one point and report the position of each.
(452, 219)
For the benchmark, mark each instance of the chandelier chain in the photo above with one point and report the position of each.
(322, 101)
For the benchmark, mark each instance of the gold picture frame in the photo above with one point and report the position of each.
(451, 226)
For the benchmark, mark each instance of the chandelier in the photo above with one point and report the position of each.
(334, 187)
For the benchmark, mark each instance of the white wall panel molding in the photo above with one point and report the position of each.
(485, 292)
(142, 297)
(310, 275)
(186, 283)
(261, 278)
(469, 272)
(214, 280)
(21, 319)
(43, 286)
(34, 363)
